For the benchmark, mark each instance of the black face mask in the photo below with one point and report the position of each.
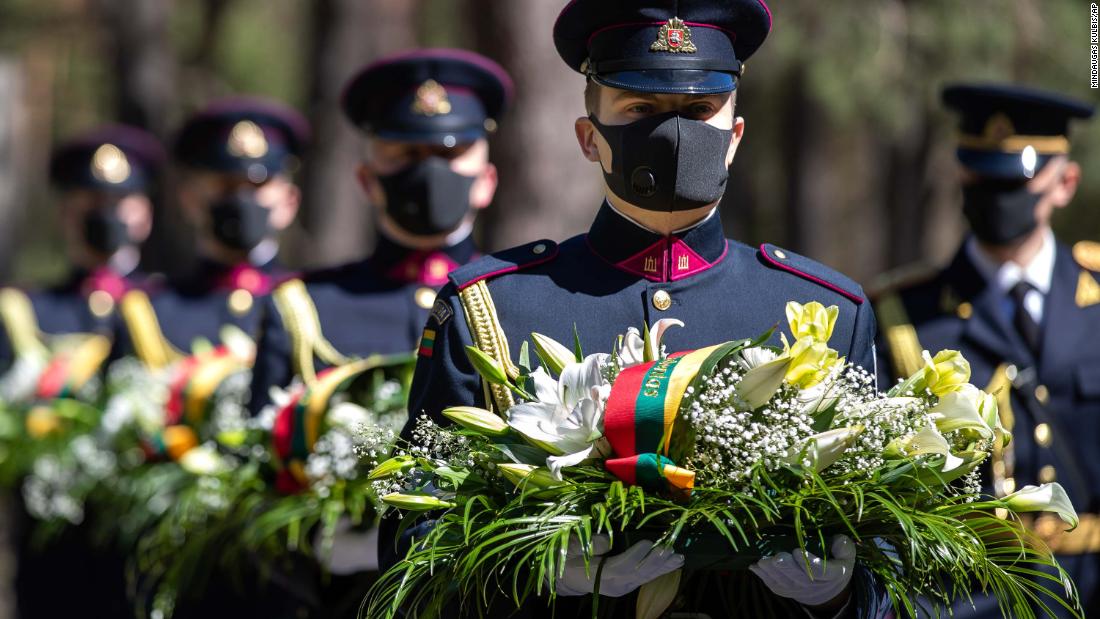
(667, 162)
(239, 221)
(1000, 212)
(428, 197)
(104, 232)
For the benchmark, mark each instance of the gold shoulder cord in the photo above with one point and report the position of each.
(141, 322)
(307, 340)
(1002, 460)
(901, 336)
(481, 316)
(20, 322)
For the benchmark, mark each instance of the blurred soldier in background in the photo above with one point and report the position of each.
(236, 159)
(1022, 308)
(104, 180)
(426, 173)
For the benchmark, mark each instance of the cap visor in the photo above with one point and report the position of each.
(1000, 165)
(441, 138)
(676, 81)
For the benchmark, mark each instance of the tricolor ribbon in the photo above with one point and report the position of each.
(641, 417)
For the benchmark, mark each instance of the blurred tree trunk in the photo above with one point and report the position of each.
(13, 164)
(347, 35)
(145, 66)
(806, 168)
(547, 188)
(907, 192)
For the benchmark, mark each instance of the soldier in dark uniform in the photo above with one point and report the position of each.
(426, 173)
(661, 127)
(236, 159)
(1021, 307)
(103, 179)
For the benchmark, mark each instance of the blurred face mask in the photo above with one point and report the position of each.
(427, 197)
(667, 162)
(103, 231)
(1000, 212)
(239, 221)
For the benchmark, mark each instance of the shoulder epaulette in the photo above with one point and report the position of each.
(20, 323)
(811, 270)
(507, 261)
(1087, 254)
(902, 278)
(303, 326)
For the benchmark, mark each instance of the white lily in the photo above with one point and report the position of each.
(349, 416)
(1044, 498)
(567, 418)
(635, 350)
(203, 460)
(759, 384)
(820, 451)
(959, 409)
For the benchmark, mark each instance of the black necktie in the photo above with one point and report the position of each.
(1023, 321)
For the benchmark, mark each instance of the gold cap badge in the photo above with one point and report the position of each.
(674, 37)
(247, 140)
(431, 100)
(109, 164)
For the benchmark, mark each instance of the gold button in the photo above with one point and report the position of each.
(240, 301)
(538, 249)
(425, 297)
(662, 300)
(101, 303)
(1009, 485)
(1011, 372)
(1042, 394)
(780, 254)
(1047, 474)
(964, 311)
(1042, 435)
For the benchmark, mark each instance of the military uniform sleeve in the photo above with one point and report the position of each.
(273, 363)
(862, 351)
(444, 376)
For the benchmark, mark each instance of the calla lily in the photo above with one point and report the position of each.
(657, 595)
(477, 419)
(812, 320)
(990, 412)
(948, 371)
(634, 349)
(1044, 498)
(957, 410)
(759, 384)
(928, 441)
(532, 478)
(553, 354)
(820, 451)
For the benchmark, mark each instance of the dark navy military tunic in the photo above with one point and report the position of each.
(374, 306)
(214, 295)
(617, 276)
(958, 309)
(620, 275)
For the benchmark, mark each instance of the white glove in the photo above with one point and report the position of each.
(786, 575)
(621, 573)
(352, 551)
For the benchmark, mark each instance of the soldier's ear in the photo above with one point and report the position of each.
(368, 181)
(485, 187)
(1066, 187)
(738, 132)
(587, 137)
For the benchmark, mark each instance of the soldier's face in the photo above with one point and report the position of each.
(1056, 182)
(620, 107)
(387, 157)
(134, 211)
(202, 189)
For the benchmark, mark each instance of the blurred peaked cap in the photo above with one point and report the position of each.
(435, 96)
(247, 135)
(662, 46)
(111, 157)
(1010, 131)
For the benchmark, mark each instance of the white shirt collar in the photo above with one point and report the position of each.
(1039, 272)
(647, 229)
